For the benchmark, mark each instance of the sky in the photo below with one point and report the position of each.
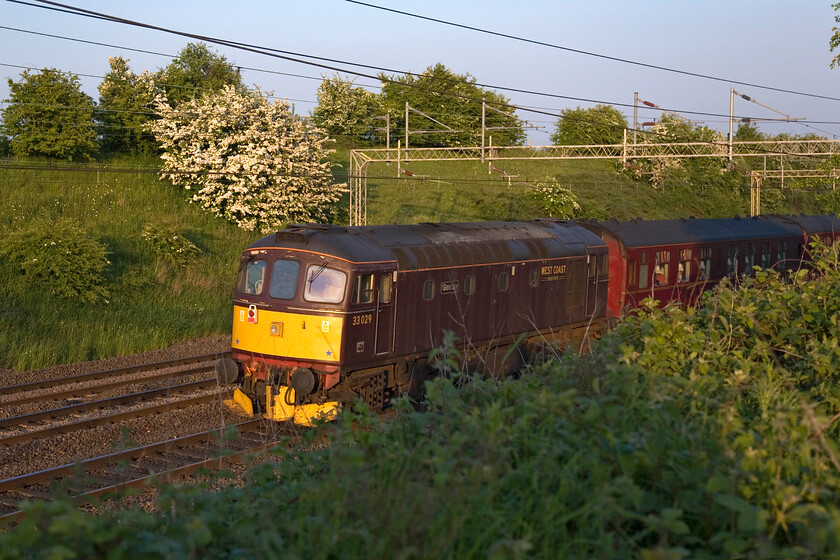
(566, 53)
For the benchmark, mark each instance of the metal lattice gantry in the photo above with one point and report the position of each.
(625, 152)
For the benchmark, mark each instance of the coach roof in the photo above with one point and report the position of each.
(647, 233)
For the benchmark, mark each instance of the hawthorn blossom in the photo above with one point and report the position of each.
(247, 159)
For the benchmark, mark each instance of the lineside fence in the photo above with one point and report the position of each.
(775, 154)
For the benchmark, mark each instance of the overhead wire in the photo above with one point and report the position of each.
(290, 56)
(51, 5)
(589, 53)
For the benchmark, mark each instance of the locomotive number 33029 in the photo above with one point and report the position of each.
(362, 319)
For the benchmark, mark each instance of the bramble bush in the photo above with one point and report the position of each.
(170, 245)
(60, 256)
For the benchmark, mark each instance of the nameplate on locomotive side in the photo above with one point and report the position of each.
(450, 287)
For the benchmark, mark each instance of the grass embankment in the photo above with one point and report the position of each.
(154, 302)
(697, 434)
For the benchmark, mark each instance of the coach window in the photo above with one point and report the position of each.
(469, 285)
(731, 260)
(705, 271)
(631, 272)
(251, 276)
(386, 282)
(284, 277)
(429, 290)
(766, 257)
(363, 289)
(781, 256)
(503, 281)
(662, 271)
(685, 265)
(643, 270)
(749, 258)
(324, 285)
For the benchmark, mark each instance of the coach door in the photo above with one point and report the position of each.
(596, 284)
(385, 313)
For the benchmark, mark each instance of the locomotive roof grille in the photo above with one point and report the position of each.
(438, 245)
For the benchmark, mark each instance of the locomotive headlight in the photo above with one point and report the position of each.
(276, 329)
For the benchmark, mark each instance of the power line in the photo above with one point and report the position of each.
(50, 5)
(289, 56)
(588, 53)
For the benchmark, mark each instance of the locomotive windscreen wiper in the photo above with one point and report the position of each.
(316, 273)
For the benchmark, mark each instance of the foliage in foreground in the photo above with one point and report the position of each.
(685, 434)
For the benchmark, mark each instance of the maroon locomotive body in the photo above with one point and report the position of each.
(325, 315)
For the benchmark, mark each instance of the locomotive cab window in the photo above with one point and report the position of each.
(284, 277)
(251, 277)
(363, 289)
(386, 284)
(324, 285)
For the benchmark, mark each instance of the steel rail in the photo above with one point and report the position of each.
(82, 391)
(150, 450)
(171, 475)
(85, 377)
(105, 403)
(106, 420)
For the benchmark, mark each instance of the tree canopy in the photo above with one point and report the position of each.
(602, 124)
(48, 115)
(194, 71)
(125, 105)
(453, 100)
(246, 159)
(348, 113)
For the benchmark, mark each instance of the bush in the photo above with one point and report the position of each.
(555, 201)
(170, 245)
(59, 256)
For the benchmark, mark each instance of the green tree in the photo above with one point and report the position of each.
(48, 115)
(602, 124)
(748, 132)
(125, 105)
(453, 100)
(348, 114)
(194, 71)
(246, 159)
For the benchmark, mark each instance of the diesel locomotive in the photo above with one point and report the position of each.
(327, 315)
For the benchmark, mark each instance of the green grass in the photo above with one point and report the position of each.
(154, 303)
(151, 304)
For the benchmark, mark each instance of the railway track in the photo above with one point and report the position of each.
(163, 417)
(89, 384)
(164, 461)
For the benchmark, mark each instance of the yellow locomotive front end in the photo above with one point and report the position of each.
(287, 335)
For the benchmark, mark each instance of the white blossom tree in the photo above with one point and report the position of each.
(247, 159)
